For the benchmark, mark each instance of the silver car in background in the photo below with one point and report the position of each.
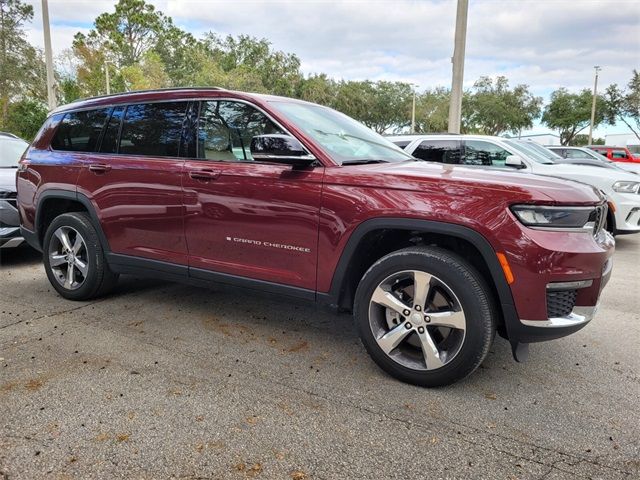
(11, 149)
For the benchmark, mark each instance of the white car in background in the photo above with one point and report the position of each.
(479, 151)
(577, 153)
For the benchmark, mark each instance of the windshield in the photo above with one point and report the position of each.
(545, 152)
(11, 149)
(523, 148)
(345, 139)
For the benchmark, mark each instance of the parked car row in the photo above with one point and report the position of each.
(620, 186)
(287, 197)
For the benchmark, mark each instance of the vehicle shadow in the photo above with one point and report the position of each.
(19, 256)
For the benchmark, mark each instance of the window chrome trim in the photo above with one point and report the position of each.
(578, 316)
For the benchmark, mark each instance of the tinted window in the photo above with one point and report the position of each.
(80, 131)
(478, 152)
(110, 138)
(225, 130)
(153, 129)
(575, 154)
(618, 154)
(442, 151)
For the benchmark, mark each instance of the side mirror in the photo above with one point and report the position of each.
(278, 148)
(514, 161)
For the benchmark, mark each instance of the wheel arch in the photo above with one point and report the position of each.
(390, 234)
(52, 203)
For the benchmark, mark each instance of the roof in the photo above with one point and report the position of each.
(176, 93)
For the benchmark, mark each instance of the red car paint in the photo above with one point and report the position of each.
(290, 227)
(615, 154)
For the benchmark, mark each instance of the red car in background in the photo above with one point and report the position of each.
(615, 154)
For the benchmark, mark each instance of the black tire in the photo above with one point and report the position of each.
(470, 290)
(99, 279)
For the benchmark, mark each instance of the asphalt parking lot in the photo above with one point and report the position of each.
(160, 380)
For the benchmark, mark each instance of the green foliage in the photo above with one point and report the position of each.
(581, 140)
(21, 68)
(25, 117)
(492, 108)
(625, 105)
(148, 73)
(570, 113)
(432, 111)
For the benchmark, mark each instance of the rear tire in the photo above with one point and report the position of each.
(74, 258)
(425, 315)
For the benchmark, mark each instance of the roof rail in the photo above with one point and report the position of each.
(151, 90)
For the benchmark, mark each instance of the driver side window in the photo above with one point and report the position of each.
(225, 130)
(478, 152)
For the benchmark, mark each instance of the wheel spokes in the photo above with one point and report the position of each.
(421, 288)
(389, 300)
(429, 350)
(63, 236)
(81, 266)
(70, 276)
(77, 245)
(390, 340)
(55, 260)
(448, 319)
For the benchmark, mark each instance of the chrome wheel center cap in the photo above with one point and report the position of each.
(416, 318)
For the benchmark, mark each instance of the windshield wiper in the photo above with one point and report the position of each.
(364, 161)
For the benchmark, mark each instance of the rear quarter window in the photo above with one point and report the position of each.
(80, 131)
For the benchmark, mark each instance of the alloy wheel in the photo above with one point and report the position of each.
(417, 320)
(68, 258)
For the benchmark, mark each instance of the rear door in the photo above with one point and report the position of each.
(134, 181)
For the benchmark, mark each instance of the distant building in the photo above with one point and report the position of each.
(541, 138)
(628, 140)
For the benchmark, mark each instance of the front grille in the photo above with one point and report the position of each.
(560, 303)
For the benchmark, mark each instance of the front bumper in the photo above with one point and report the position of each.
(10, 235)
(627, 212)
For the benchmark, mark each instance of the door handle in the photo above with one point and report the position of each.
(99, 168)
(204, 175)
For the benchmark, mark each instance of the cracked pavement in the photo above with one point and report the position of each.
(160, 380)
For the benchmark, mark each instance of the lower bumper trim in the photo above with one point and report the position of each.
(579, 316)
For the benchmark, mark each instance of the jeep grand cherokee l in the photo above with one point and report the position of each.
(287, 197)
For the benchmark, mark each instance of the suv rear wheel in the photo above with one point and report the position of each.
(74, 258)
(425, 316)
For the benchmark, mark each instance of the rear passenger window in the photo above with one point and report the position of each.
(153, 129)
(442, 151)
(80, 131)
(110, 139)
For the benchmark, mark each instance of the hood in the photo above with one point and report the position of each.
(8, 179)
(460, 180)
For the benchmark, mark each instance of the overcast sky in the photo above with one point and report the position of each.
(543, 43)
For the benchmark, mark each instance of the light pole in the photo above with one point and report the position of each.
(106, 74)
(593, 103)
(48, 57)
(455, 105)
(413, 110)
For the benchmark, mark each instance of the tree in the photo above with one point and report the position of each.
(147, 74)
(492, 108)
(25, 117)
(625, 105)
(570, 113)
(21, 67)
(432, 110)
(318, 89)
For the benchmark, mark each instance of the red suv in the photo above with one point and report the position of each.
(615, 154)
(287, 197)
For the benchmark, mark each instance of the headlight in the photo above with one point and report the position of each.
(542, 216)
(626, 187)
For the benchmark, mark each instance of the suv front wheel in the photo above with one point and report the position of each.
(425, 316)
(74, 258)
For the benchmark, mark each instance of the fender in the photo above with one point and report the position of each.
(424, 226)
(76, 197)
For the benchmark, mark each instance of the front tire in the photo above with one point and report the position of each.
(74, 258)
(425, 315)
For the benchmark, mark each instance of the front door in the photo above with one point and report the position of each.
(247, 218)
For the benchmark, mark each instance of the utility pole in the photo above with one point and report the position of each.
(106, 73)
(593, 104)
(413, 111)
(455, 106)
(51, 92)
